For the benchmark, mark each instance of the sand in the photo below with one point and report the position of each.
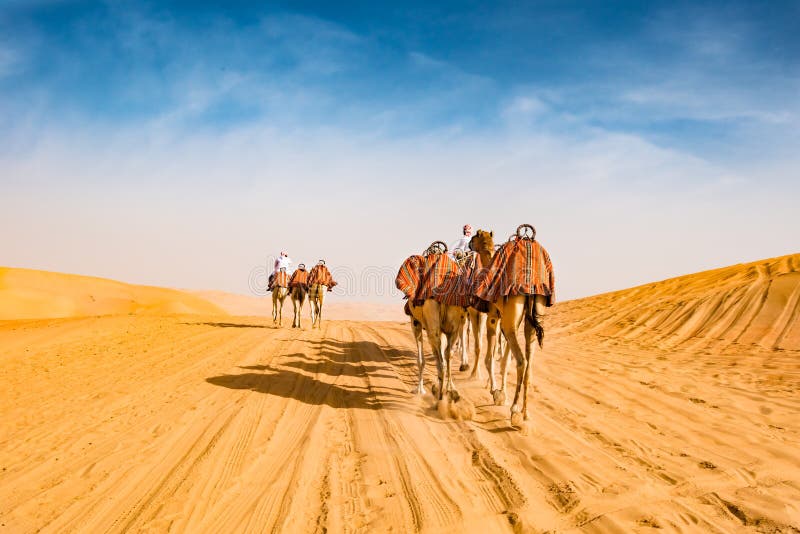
(335, 308)
(672, 407)
(31, 294)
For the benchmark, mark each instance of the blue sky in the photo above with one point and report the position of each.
(601, 114)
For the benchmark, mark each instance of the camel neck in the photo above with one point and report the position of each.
(486, 257)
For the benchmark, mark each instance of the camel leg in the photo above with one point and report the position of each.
(478, 323)
(454, 326)
(432, 317)
(298, 308)
(312, 306)
(504, 372)
(274, 309)
(448, 350)
(530, 335)
(464, 351)
(416, 326)
(513, 314)
(300, 311)
(492, 328)
(320, 302)
(502, 346)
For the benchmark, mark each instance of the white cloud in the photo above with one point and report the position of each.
(202, 208)
(525, 106)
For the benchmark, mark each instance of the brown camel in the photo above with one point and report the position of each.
(280, 289)
(316, 298)
(476, 263)
(278, 297)
(442, 321)
(510, 311)
(298, 289)
(467, 261)
(319, 281)
(298, 294)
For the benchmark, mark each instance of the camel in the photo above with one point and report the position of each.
(316, 297)
(280, 289)
(298, 294)
(472, 263)
(488, 315)
(319, 282)
(434, 314)
(469, 262)
(476, 320)
(298, 289)
(510, 311)
(278, 297)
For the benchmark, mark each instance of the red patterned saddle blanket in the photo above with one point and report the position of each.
(435, 276)
(520, 267)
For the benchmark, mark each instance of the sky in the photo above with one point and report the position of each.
(184, 144)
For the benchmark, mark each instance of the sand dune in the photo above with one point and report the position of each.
(30, 294)
(735, 307)
(643, 420)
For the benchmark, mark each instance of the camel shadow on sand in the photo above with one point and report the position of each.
(328, 374)
(231, 325)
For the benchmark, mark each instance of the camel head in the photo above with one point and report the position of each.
(482, 242)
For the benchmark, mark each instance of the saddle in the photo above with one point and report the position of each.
(520, 267)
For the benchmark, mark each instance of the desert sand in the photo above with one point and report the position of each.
(335, 308)
(30, 294)
(671, 407)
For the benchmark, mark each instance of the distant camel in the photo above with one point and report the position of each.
(319, 282)
(280, 289)
(298, 288)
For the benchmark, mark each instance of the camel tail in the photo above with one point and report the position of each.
(533, 319)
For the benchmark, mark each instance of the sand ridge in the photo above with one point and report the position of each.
(33, 294)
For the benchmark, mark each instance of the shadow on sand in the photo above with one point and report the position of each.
(318, 379)
(231, 325)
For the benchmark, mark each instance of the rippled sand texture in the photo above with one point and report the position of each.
(672, 406)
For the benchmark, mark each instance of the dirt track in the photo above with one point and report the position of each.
(223, 425)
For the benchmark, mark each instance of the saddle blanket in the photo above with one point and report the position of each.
(281, 279)
(520, 267)
(321, 275)
(299, 278)
(436, 277)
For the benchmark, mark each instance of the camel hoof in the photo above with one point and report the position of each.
(454, 395)
(499, 397)
(435, 390)
(464, 367)
(516, 419)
